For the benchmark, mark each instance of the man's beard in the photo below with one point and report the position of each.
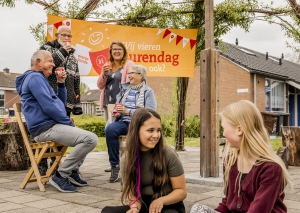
(61, 42)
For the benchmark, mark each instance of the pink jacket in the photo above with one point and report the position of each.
(101, 83)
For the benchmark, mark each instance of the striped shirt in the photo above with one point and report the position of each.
(130, 103)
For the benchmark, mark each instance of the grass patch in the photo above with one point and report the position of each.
(85, 119)
(193, 142)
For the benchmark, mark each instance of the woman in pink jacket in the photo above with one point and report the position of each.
(113, 74)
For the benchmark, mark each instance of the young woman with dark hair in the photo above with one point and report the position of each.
(153, 175)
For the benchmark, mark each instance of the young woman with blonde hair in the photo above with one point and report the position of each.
(254, 176)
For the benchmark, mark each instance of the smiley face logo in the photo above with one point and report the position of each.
(95, 38)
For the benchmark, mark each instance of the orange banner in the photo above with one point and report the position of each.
(165, 52)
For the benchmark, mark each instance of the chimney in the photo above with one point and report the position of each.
(267, 55)
(216, 43)
(236, 42)
(6, 70)
(280, 62)
(282, 55)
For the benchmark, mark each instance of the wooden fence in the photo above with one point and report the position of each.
(91, 108)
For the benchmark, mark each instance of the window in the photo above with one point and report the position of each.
(2, 109)
(274, 95)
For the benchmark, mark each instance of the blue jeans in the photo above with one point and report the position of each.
(83, 142)
(112, 133)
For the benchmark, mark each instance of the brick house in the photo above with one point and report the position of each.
(272, 83)
(8, 93)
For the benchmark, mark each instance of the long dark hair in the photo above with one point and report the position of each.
(132, 159)
(125, 56)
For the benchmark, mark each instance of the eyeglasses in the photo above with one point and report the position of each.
(131, 73)
(66, 35)
(117, 49)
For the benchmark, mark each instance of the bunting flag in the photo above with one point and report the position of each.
(167, 32)
(67, 22)
(172, 36)
(160, 31)
(50, 29)
(185, 41)
(178, 39)
(58, 24)
(192, 43)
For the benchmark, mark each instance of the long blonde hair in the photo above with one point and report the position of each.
(254, 144)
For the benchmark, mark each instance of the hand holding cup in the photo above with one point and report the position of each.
(60, 74)
(105, 69)
(67, 45)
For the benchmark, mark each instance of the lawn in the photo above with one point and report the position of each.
(194, 142)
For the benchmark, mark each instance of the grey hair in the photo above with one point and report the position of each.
(140, 69)
(39, 54)
(60, 28)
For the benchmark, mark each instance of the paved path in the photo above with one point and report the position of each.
(101, 193)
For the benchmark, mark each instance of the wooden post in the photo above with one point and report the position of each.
(209, 96)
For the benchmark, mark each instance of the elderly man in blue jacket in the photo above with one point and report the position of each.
(46, 119)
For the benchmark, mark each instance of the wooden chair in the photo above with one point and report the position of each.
(37, 151)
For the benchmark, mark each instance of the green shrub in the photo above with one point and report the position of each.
(97, 128)
(95, 124)
(192, 126)
(168, 125)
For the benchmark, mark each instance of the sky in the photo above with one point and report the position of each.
(17, 44)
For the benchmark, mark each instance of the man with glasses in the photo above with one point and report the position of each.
(62, 54)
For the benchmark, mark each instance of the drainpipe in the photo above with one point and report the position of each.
(254, 89)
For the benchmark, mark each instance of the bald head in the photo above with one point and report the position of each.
(38, 55)
(42, 60)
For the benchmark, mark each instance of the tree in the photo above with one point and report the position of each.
(83, 88)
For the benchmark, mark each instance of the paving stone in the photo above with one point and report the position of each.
(24, 198)
(78, 198)
(215, 193)
(71, 207)
(293, 210)
(27, 210)
(3, 190)
(45, 204)
(4, 180)
(11, 193)
(191, 197)
(292, 204)
(7, 206)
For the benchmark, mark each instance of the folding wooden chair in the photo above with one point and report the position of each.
(39, 149)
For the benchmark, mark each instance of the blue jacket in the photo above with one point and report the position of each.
(41, 107)
(150, 101)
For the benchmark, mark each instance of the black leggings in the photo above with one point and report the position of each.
(173, 208)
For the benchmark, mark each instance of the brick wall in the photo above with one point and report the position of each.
(162, 87)
(11, 98)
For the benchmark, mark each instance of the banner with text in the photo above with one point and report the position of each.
(165, 52)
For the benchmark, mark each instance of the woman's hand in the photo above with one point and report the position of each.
(115, 114)
(156, 206)
(105, 70)
(122, 109)
(133, 210)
